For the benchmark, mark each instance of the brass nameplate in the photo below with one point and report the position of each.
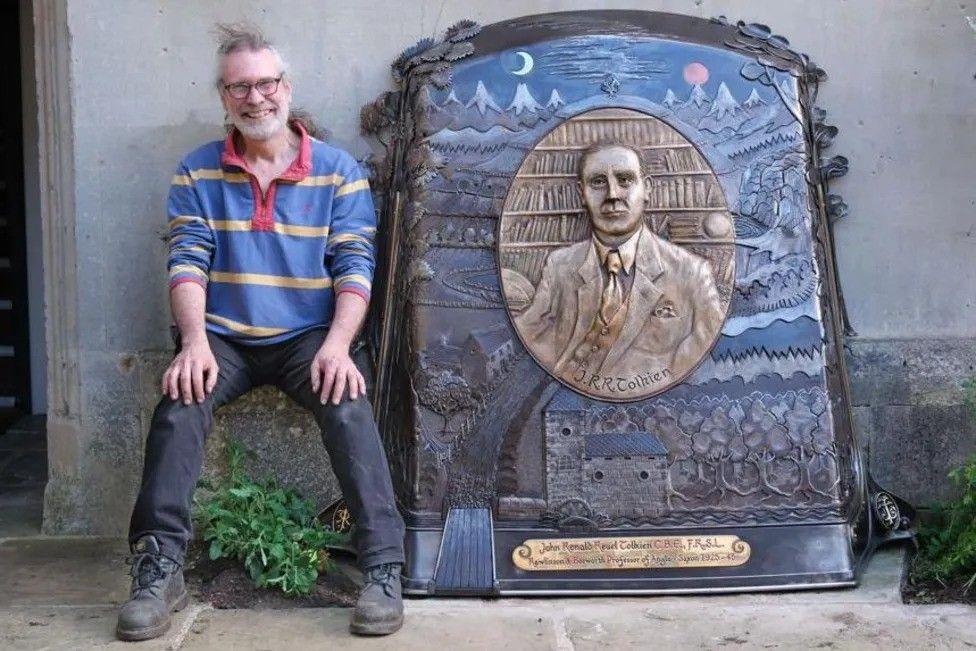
(560, 554)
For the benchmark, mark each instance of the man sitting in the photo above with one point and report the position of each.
(270, 263)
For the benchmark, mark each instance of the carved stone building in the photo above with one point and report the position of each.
(485, 353)
(618, 474)
(624, 474)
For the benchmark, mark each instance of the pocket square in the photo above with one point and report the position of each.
(665, 310)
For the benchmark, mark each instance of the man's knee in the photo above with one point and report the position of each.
(348, 414)
(178, 419)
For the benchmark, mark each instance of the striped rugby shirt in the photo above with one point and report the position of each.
(271, 264)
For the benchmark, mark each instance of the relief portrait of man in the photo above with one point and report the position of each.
(623, 313)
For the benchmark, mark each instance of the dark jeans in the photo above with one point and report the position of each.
(174, 450)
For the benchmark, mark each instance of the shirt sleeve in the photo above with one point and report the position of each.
(191, 240)
(350, 254)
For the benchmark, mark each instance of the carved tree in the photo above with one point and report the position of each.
(743, 482)
(447, 394)
(663, 422)
(712, 441)
(823, 447)
(773, 195)
(768, 442)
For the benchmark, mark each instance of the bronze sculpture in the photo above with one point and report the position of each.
(736, 469)
(622, 314)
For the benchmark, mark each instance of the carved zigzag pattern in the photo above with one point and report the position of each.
(466, 148)
(772, 141)
(793, 352)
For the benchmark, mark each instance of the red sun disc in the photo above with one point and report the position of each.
(696, 73)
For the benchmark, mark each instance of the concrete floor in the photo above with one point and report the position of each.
(62, 593)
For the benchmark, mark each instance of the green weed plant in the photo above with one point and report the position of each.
(947, 544)
(272, 530)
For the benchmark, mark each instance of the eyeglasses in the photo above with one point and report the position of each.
(266, 87)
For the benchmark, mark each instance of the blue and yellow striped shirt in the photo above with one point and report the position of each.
(273, 262)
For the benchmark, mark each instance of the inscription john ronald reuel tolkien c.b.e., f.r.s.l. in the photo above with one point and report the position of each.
(619, 313)
(622, 553)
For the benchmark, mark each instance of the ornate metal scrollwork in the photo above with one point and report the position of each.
(836, 208)
(823, 133)
(834, 168)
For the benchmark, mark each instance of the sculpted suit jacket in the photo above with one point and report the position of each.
(674, 311)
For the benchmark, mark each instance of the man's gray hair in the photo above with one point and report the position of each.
(235, 37)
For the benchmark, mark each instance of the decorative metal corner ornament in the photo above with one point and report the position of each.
(608, 333)
(885, 507)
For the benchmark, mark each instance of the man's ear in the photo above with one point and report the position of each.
(647, 190)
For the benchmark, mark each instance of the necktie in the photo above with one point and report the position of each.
(613, 293)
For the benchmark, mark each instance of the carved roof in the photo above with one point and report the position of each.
(566, 400)
(491, 339)
(623, 444)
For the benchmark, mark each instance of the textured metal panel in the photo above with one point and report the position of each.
(668, 358)
(466, 562)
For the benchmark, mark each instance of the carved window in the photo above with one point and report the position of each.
(565, 463)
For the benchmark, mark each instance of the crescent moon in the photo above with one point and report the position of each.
(527, 64)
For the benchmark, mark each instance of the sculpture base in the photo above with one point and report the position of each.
(645, 561)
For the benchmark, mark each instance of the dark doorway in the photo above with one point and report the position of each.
(15, 394)
(23, 456)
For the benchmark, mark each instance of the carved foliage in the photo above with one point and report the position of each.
(757, 452)
(773, 54)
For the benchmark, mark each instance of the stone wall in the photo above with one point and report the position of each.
(625, 486)
(124, 390)
(564, 457)
(910, 413)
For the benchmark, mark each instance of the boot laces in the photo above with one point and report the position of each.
(147, 569)
(384, 576)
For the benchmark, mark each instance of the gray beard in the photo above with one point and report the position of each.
(263, 131)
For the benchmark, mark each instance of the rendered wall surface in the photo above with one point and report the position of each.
(901, 90)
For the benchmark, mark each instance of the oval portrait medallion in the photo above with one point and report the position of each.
(616, 250)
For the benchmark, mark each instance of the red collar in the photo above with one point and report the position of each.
(298, 169)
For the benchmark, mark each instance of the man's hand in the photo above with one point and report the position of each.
(192, 374)
(333, 371)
